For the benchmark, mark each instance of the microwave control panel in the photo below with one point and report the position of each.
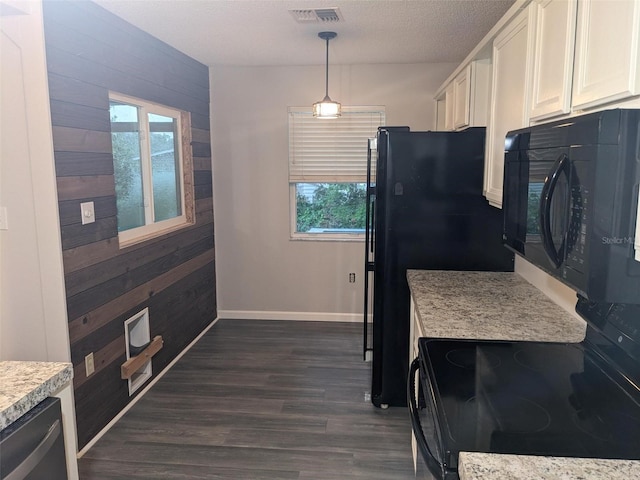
(577, 231)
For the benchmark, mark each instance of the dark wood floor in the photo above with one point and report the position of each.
(260, 400)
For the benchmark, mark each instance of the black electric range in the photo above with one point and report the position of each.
(533, 398)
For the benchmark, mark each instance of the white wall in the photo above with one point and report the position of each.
(33, 318)
(261, 273)
(551, 287)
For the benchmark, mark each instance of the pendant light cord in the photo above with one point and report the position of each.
(326, 74)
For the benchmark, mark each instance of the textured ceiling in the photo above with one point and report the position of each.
(263, 32)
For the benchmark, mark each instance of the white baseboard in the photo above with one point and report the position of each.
(99, 435)
(299, 316)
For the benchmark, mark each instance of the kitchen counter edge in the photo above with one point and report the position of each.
(494, 466)
(25, 384)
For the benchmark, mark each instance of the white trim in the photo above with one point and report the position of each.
(115, 419)
(290, 316)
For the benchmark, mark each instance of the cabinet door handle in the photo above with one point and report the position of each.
(35, 457)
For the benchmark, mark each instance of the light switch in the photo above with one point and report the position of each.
(87, 212)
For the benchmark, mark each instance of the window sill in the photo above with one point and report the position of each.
(151, 235)
(327, 238)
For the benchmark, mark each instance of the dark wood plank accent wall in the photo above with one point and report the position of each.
(89, 53)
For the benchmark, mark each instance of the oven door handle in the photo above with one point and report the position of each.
(38, 453)
(435, 467)
(546, 197)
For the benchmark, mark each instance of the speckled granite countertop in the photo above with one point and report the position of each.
(25, 384)
(491, 466)
(489, 306)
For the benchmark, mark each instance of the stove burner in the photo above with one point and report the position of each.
(513, 414)
(608, 426)
(470, 358)
(560, 358)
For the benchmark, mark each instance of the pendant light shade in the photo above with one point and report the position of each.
(327, 108)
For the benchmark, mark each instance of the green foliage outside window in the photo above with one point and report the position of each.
(332, 206)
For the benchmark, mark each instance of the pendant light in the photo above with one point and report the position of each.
(327, 108)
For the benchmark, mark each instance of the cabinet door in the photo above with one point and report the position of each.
(607, 52)
(462, 98)
(449, 103)
(509, 93)
(553, 58)
(441, 112)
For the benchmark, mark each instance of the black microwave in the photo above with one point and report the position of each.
(570, 200)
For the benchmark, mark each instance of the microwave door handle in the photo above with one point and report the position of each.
(546, 198)
(435, 467)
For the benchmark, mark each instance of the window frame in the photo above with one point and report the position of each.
(323, 236)
(184, 165)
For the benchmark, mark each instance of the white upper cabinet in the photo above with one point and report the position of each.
(509, 96)
(464, 102)
(553, 58)
(461, 98)
(607, 54)
(449, 102)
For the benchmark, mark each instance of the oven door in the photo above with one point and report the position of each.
(424, 423)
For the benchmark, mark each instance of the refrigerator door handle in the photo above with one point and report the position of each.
(372, 224)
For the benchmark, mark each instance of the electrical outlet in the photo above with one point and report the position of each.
(352, 277)
(88, 364)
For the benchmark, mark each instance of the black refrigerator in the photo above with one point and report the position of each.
(426, 211)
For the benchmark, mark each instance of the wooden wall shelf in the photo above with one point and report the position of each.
(131, 366)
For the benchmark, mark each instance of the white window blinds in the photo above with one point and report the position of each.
(331, 150)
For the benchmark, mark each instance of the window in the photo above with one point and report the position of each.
(328, 171)
(151, 167)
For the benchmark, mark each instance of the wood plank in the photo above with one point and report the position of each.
(124, 261)
(91, 298)
(201, 149)
(204, 205)
(74, 188)
(71, 90)
(93, 38)
(200, 120)
(200, 135)
(80, 164)
(203, 191)
(202, 163)
(86, 255)
(67, 139)
(65, 114)
(202, 177)
(96, 72)
(94, 21)
(131, 366)
(85, 324)
(76, 234)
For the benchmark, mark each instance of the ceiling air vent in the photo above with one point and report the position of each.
(317, 15)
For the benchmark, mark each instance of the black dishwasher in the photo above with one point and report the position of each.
(32, 447)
